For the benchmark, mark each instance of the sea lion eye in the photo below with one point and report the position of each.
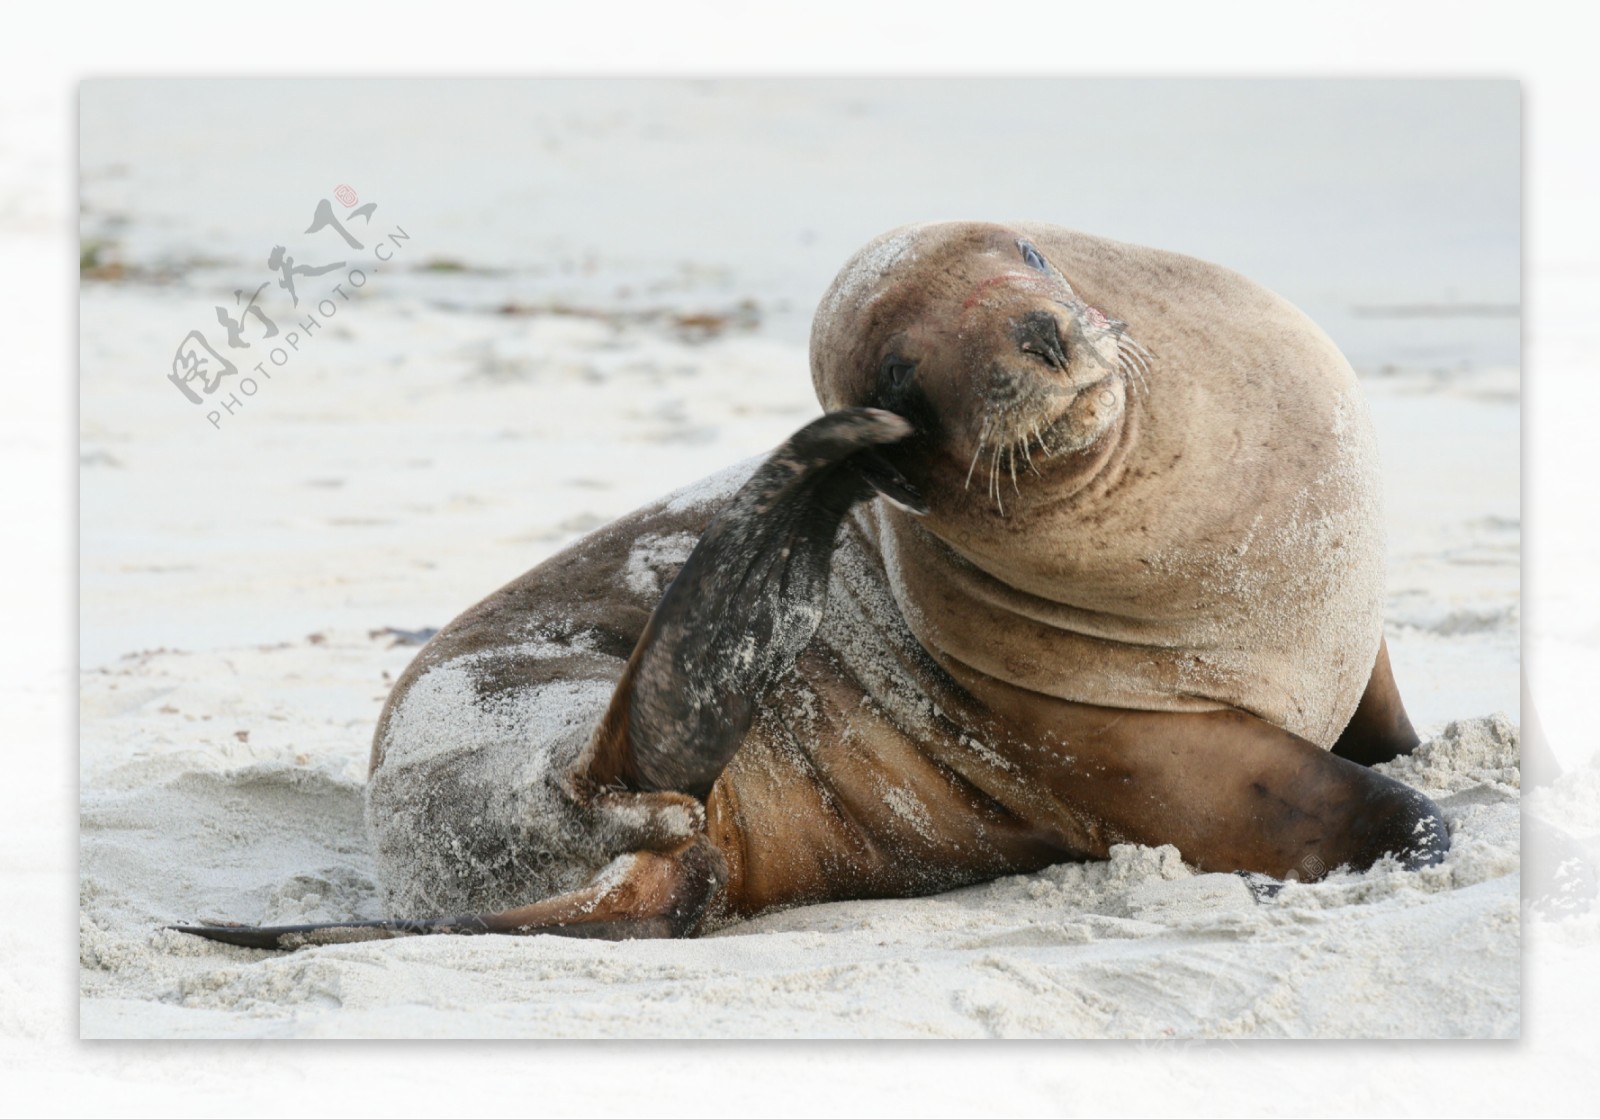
(1031, 257)
(896, 371)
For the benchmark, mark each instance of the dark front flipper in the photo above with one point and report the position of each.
(1233, 792)
(745, 604)
(1229, 790)
(1380, 730)
(643, 895)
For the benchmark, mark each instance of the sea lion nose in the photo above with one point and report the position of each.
(1037, 333)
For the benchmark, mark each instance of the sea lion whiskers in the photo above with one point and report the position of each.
(1120, 329)
(1132, 376)
(1137, 352)
(1135, 357)
(1007, 452)
(1132, 357)
(1136, 344)
(982, 436)
(1048, 453)
(1027, 451)
(1007, 436)
(994, 479)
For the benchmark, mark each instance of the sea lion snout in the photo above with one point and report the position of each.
(1038, 335)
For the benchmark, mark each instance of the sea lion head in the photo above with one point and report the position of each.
(972, 334)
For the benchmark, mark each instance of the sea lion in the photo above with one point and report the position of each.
(1106, 597)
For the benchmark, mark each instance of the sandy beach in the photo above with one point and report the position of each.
(545, 347)
(223, 778)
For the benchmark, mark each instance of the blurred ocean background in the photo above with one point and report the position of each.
(1388, 210)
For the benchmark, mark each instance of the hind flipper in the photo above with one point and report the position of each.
(744, 605)
(643, 895)
(287, 937)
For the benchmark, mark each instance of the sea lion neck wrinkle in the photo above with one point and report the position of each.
(1050, 492)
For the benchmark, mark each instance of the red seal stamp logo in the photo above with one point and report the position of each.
(346, 194)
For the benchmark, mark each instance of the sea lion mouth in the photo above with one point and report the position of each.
(1060, 434)
(1011, 437)
(1049, 419)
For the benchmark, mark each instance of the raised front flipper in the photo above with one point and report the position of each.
(745, 604)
